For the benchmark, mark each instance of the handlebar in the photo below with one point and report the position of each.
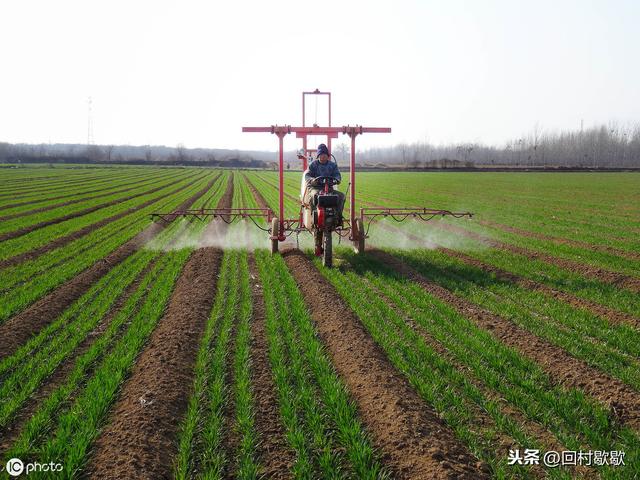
(318, 181)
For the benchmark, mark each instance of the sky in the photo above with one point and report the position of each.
(195, 72)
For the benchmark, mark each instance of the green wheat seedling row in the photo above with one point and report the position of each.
(201, 444)
(39, 189)
(78, 193)
(40, 424)
(42, 236)
(17, 274)
(520, 381)
(24, 371)
(612, 348)
(306, 381)
(148, 183)
(33, 289)
(78, 426)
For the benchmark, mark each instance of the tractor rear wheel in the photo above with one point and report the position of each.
(327, 253)
(275, 233)
(358, 234)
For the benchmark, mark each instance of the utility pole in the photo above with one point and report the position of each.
(89, 123)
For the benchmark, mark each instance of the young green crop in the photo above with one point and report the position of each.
(308, 387)
(612, 348)
(25, 292)
(516, 379)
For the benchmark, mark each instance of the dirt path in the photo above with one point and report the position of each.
(61, 241)
(19, 328)
(140, 436)
(414, 441)
(23, 231)
(276, 458)
(562, 241)
(561, 367)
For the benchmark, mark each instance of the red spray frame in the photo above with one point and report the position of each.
(279, 226)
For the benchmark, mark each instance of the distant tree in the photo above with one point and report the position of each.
(108, 150)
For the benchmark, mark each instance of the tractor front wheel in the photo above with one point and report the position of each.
(327, 254)
(275, 233)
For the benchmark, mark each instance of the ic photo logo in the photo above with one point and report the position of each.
(15, 467)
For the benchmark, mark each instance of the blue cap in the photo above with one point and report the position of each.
(322, 148)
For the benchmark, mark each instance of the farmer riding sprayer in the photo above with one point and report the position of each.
(320, 213)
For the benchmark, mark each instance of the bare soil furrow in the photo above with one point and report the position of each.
(19, 328)
(62, 241)
(563, 241)
(413, 440)
(562, 368)
(276, 458)
(607, 276)
(141, 432)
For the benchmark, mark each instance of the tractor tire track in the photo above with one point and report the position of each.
(62, 241)
(562, 241)
(562, 368)
(23, 231)
(414, 441)
(19, 328)
(275, 457)
(141, 432)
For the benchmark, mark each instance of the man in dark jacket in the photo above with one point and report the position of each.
(322, 167)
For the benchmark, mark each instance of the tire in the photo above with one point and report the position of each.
(358, 242)
(327, 254)
(275, 232)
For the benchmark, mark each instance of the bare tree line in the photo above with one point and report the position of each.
(597, 147)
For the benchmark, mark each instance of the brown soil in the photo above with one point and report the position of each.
(413, 440)
(561, 367)
(61, 241)
(262, 203)
(502, 442)
(276, 458)
(50, 186)
(286, 194)
(563, 241)
(71, 202)
(140, 437)
(18, 329)
(60, 374)
(53, 221)
(589, 271)
(67, 195)
(607, 313)
(139, 440)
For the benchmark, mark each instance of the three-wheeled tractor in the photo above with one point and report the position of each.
(321, 217)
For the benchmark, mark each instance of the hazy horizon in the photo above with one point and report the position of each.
(164, 73)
